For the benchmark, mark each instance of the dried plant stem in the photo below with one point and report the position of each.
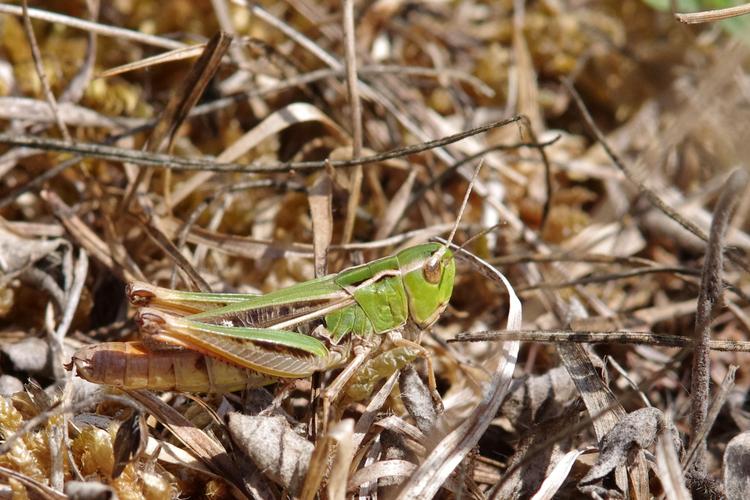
(101, 29)
(355, 105)
(708, 298)
(37, 56)
(547, 169)
(595, 337)
(178, 108)
(321, 74)
(604, 278)
(192, 164)
(693, 452)
(709, 16)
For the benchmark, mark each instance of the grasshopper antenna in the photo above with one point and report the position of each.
(439, 254)
(479, 235)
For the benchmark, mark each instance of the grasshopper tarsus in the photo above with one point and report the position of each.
(437, 402)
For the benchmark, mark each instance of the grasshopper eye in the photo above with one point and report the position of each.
(432, 270)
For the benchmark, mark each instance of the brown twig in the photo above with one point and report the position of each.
(693, 453)
(180, 104)
(604, 278)
(189, 164)
(41, 74)
(710, 16)
(709, 298)
(355, 105)
(547, 171)
(101, 29)
(448, 172)
(613, 337)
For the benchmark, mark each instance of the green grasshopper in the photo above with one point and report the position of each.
(366, 318)
(359, 311)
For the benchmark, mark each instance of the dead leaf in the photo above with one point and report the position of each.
(276, 449)
(635, 431)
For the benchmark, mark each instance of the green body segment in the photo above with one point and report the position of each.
(277, 353)
(398, 290)
(347, 320)
(377, 369)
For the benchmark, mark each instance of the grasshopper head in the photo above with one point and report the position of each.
(428, 272)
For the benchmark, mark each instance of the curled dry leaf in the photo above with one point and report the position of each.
(416, 398)
(276, 449)
(536, 397)
(319, 199)
(16, 253)
(635, 431)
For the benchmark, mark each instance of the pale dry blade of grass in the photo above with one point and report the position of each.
(450, 451)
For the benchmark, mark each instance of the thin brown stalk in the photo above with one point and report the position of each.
(604, 278)
(595, 337)
(36, 54)
(191, 164)
(448, 172)
(529, 126)
(179, 106)
(709, 298)
(710, 16)
(355, 105)
(693, 453)
(593, 258)
(101, 29)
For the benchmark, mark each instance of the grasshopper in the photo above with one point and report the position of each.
(366, 319)
(360, 312)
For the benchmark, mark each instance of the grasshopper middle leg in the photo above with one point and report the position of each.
(388, 362)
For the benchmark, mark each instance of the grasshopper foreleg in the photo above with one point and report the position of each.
(420, 351)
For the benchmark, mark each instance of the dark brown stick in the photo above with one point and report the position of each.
(708, 298)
